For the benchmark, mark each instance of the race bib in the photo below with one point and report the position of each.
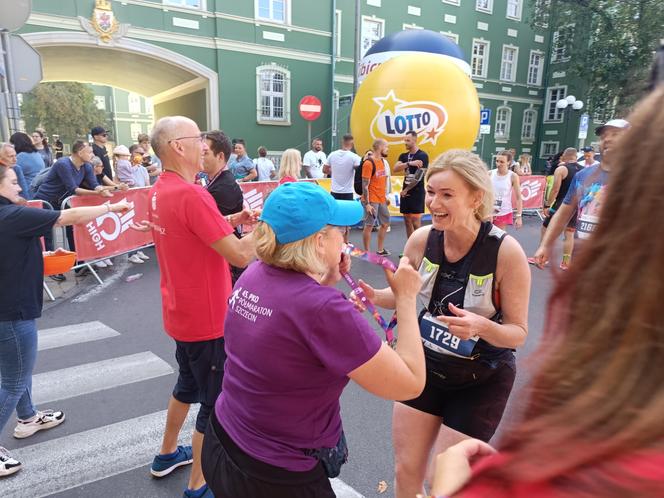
(437, 337)
(586, 225)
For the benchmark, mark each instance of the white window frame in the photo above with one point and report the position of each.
(453, 2)
(488, 10)
(503, 137)
(485, 58)
(100, 102)
(287, 12)
(533, 125)
(564, 52)
(514, 63)
(559, 112)
(519, 8)
(539, 67)
(135, 129)
(183, 5)
(372, 19)
(411, 26)
(543, 145)
(260, 119)
(134, 103)
(338, 14)
(451, 36)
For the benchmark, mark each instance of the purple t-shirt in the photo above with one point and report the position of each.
(290, 344)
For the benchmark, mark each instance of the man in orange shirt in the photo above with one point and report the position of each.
(374, 196)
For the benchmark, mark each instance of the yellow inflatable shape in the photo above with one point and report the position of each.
(420, 92)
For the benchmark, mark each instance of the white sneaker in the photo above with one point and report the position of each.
(142, 255)
(8, 465)
(135, 259)
(100, 264)
(43, 420)
(108, 262)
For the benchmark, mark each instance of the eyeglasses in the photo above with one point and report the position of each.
(200, 138)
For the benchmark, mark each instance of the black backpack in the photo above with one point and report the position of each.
(357, 181)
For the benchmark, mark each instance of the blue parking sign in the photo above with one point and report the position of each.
(485, 116)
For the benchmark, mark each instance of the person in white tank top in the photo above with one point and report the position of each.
(504, 183)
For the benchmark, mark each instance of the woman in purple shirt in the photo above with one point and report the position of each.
(293, 342)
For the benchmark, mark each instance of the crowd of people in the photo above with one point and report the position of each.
(268, 375)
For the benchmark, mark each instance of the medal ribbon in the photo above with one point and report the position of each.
(375, 259)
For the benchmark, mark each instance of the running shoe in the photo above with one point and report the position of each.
(101, 264)
(202, 492)
(162, 465)
(533, 261)
(564, 265)
(58, 278)
(8, 465)
(134, 258)
(384, 252)
(108, 262)
(43, 420)
(142, 255)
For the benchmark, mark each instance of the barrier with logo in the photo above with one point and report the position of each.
(109, 234)
(532, 192)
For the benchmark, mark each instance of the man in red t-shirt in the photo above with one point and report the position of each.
(194, 245)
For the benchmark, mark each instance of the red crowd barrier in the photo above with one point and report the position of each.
(532, 192)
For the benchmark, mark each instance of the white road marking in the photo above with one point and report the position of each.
(97, 376)
(343, 490)
(74, 334)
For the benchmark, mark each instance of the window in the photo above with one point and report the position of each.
(135, 129)
(553, 95)
(372, 31)
(452, 2)
(528, 125)
(273, 94)
(503, 120)
(337, 21)
(484, 5)
(514, 9)
(559, 45)
(451, 36)
(535, 67)
(272, 10)
(549, 149)
(508, 63)
(149, 108)
(191, 4)
(480, 60)
(411, 26)
(100, 102)
(134, 102)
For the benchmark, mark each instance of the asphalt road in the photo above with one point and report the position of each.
(113, 378)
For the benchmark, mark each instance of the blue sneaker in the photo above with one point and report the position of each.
(164, 465)
(202, 492)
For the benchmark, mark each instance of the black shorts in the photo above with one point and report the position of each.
(413, 202)
(201, 370)
(469, 395)
(571, 226)
(231, 473)
(343, 197)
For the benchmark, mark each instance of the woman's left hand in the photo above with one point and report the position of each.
(465, 324)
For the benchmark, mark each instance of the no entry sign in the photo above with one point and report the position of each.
(310, 107)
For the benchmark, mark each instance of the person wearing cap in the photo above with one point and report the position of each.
(585, 195)
(99, 139)
(129, 172)
(293, 342)
(588, 157)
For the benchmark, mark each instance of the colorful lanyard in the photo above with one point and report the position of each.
(375, 259)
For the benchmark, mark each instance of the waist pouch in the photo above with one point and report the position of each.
(332, 459)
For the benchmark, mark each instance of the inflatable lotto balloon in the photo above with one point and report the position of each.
(411, 41)
(424, 93)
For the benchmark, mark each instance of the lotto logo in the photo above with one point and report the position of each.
(119, 224)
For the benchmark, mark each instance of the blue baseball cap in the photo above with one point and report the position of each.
(298, 209)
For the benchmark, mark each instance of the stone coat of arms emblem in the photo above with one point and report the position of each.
(103, 24)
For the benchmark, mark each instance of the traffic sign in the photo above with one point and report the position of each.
(27, 64)
(310, 107)
(583, 126)
(15, 13)
(485, 129)
(485, 117)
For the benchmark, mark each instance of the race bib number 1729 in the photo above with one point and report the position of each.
(437, 337)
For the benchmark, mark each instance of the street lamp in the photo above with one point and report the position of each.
(567, 104)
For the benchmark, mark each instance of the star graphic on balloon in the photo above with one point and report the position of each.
(389, 103)
(432, 135)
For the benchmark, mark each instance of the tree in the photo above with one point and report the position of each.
(65, 108)
(610, 45)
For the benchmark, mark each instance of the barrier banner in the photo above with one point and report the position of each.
(532, 192)
(255, 193)
(109, 234)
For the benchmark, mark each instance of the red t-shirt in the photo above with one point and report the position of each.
(195, 279)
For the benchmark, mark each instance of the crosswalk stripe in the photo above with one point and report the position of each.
(74, 334)
(97, 376)
(343, 490)
(72, 461)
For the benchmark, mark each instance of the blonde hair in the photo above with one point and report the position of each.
(300, 256)
(291, 162)
(473, 171)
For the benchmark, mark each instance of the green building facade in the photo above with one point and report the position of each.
(244, 65)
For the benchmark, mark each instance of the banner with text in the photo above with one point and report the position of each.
(532, 192)
(109, 234)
